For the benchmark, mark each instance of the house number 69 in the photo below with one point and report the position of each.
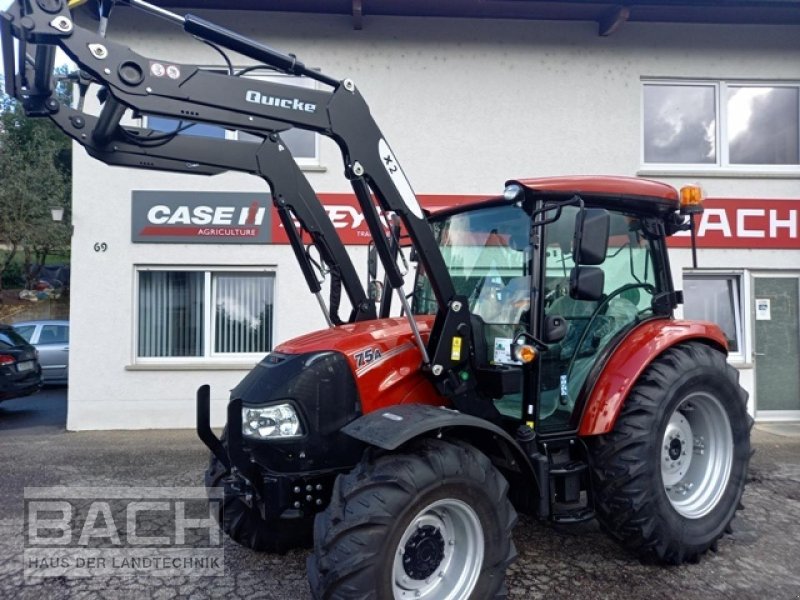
(100, 246)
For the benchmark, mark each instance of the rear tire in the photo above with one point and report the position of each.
(669, 478)
(245, 525)
(432, 523)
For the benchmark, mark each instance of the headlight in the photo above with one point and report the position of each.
(279, 421)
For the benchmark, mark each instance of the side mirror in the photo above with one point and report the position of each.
(554, 330)
(375, 290)
(591, 236)
(586, 283)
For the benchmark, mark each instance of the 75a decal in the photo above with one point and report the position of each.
(367, 356)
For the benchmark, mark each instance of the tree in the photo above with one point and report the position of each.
(36, 175)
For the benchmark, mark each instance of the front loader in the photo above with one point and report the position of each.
(536, 365)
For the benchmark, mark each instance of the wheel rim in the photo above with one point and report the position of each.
(440, 553)
(696, 455)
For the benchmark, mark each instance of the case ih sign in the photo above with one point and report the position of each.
(201, 217)
(245, 218)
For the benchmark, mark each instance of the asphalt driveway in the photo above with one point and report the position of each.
(760, 560)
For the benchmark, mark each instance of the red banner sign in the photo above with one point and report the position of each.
(753, 223)
(345, 214)
(726, 223)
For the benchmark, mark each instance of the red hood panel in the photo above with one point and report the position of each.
(383, 356)
(355, 336)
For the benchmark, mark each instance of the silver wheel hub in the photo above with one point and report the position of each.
(696, 455)
(676, 451)
(440, 554)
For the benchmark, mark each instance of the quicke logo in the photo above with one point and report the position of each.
(290, 103)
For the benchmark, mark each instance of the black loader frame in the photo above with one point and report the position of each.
(259, 107)
(463, 449)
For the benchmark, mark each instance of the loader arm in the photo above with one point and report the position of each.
(270, 160)
(184, 91)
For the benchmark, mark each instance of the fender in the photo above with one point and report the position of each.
(391, 427)
(630, 359)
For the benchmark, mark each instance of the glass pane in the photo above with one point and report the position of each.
(679, 124)
(484, 251)
(763, 125)
(714, 299)
(25, 331)
(10, 338)
(243, 313)
(54, 334)
(186, 127)
(628, 286)
(777, 344)
(170, 313)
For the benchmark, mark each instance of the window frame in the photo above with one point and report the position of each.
(311, 163)
(741, 316)
(209, 356)
(722, 165)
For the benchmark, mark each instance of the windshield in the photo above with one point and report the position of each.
(485, 251)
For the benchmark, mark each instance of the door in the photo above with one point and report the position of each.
(53, 346)
(777, 345)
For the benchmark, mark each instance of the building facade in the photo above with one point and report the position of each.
(466, 105)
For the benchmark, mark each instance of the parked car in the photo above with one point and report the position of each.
(20, 373)
(51, 339)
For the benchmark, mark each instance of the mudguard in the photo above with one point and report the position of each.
(629, 361)
(391, 427)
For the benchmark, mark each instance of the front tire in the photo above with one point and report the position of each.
(669, 478)
(433, 523)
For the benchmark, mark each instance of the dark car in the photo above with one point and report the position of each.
(51, 339)
(20, 373)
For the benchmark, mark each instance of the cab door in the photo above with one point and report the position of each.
(593, 326)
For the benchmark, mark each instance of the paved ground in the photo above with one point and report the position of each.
(761, 560)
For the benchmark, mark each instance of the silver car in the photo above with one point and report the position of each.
(51, 339)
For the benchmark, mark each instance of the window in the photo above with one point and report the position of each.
(10, 338)
(630, 281)
(203, 314)
(738, 126)
(26, 331)
(303, 144)
(185, 127)
(54, 334)
(715, 298)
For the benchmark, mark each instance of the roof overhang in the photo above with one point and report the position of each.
(608, 15)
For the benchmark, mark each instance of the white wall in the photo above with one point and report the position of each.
(465, 104)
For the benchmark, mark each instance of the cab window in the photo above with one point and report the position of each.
(628, 290)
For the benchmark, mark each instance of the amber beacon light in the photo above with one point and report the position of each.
(692, 204)
(691, 199)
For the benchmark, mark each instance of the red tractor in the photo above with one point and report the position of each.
(537, 367)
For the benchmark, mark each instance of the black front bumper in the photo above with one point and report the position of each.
(291, 478)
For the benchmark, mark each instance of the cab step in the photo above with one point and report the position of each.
(570, 517)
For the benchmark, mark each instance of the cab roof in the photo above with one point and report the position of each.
(633, 192)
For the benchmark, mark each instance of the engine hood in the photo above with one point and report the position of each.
(382, 355)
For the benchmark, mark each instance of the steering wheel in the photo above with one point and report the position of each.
(600, 311)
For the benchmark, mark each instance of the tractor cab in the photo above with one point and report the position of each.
(550, 372)
(568, 266)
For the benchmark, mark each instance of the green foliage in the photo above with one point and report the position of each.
(12, 276)
(36, 175)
